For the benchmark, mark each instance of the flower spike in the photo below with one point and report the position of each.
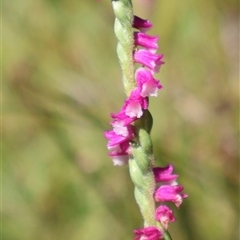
(129, 141)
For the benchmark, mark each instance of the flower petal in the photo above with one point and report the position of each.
(148, 233)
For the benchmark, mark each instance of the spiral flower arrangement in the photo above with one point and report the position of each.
(129, 141)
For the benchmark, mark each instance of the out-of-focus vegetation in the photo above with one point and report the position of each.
(61, 80)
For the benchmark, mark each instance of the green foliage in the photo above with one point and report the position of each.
(61, 79)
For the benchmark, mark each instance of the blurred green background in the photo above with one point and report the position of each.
(61, 80)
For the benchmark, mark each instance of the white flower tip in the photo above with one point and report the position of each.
(120, 160)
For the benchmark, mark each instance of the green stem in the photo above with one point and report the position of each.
(124, 33)
(167, 236)
(140, 168)
(144, 187)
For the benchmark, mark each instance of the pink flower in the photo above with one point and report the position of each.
(148, 59)
(121, 116)
(120, 128)
(115, 139)
(164, 215)
(164, 174)
(170, 193)
(135, 104)
(121, 148)
(148, 233)
(141, 24)
(146, 41)
(147, 85)
(119, 153)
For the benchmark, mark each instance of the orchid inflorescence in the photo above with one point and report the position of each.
(129, 140)
(122, 133)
